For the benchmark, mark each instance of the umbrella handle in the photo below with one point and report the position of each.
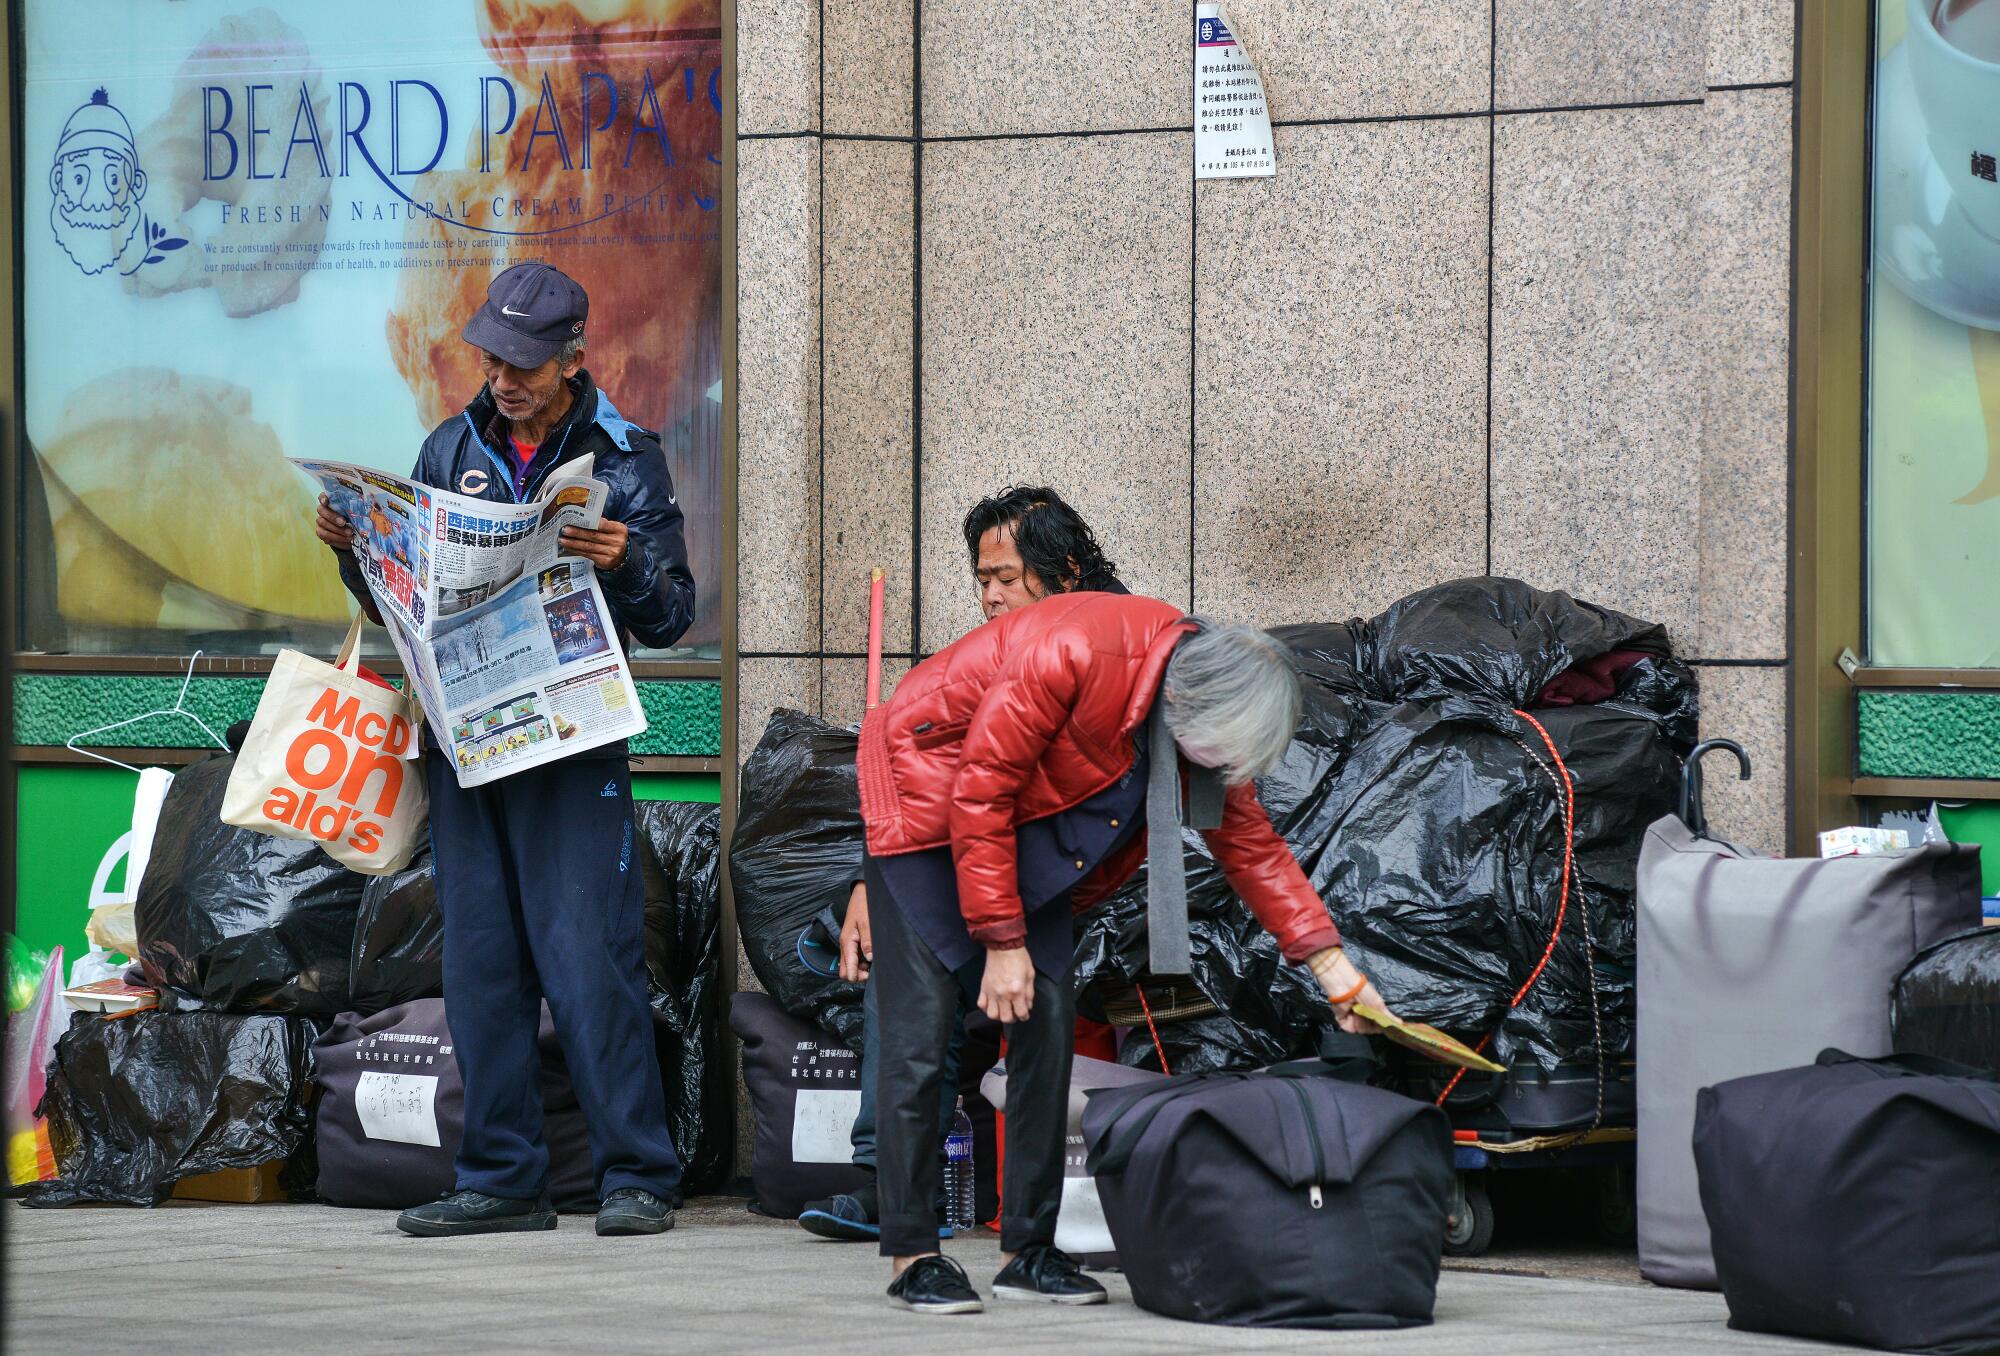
(1691, 812)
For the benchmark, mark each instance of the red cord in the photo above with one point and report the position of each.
(1147, 1008)
(1562, 902)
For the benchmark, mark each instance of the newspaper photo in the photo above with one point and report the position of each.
(508, 643)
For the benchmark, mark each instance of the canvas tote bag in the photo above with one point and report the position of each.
(332, 758)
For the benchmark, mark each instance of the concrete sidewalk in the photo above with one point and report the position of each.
(295, 1279)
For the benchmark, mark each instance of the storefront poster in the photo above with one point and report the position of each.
(254, 232)
(1934, 337)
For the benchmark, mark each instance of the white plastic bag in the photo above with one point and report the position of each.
(93, 966)
(330, 758)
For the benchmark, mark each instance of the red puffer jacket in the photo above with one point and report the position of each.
(1028, 716)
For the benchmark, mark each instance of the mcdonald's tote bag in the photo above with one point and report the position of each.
(332, 758)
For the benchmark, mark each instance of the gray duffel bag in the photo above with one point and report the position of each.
(1749, 964)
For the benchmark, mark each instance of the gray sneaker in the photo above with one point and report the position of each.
(630, 1210)
(474, 1212)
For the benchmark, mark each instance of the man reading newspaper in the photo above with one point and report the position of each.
(503, 633)
(537, 873)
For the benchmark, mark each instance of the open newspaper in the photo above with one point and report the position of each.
(509, 643)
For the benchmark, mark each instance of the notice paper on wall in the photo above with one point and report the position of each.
(1232, 123)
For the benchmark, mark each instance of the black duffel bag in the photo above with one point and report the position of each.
(1283, 1199)
(1855, 1200)
(805, 1089)
(391, 1111)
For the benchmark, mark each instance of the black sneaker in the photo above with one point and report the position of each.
(936, 1285)
(630, 1210)
(1046, 1272)
(474, 1212)
(854, 1217)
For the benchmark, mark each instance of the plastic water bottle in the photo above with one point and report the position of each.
(958, 1180)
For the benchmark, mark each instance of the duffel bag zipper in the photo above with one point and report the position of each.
(1313, 1193)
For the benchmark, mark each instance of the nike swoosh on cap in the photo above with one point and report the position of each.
(508, 310)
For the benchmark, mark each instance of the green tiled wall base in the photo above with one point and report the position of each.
(683, 719)
(684, 716)
(1930, 734)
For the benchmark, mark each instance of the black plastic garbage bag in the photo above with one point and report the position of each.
(239, 921)
(1482, 637)
(796, 855)
(398, 939)
(1444, 869)
(399, 935)
(1426, 812)
(682, 861)
(137, 1103)
(1947, 1001)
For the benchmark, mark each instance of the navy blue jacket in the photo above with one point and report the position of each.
(652, 593)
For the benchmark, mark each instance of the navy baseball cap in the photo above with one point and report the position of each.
(531, 311)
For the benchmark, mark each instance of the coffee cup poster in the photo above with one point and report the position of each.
(254, 232)
(1933, 485)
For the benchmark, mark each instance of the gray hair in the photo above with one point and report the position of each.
(1232, 693)
(571, 350)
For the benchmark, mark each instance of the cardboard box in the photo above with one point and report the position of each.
(234, 1186)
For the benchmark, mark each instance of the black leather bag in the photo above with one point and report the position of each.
(1288, 1198)
(1857, 1200)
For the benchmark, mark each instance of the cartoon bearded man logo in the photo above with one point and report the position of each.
(98, 184)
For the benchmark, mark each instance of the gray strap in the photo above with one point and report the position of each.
(1166, 875)
(1204, 798)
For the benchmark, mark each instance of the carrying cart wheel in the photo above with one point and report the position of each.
(1617, 1207)
(1469, 1232)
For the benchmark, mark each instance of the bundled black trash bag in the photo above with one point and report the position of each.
(1853, 1200)
(1290, 1198)
(1428, 814)
(1947, 1000)
(137, 1103)
(398, 939)
(794, 860)
(682, 864)
(239, 921)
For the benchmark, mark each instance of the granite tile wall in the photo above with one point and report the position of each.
(1516, 301)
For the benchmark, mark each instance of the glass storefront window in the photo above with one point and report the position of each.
(253, 233)
(1933, 452)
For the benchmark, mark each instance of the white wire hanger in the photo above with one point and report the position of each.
(179, 708)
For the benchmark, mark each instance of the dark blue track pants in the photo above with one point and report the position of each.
(539, 882)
